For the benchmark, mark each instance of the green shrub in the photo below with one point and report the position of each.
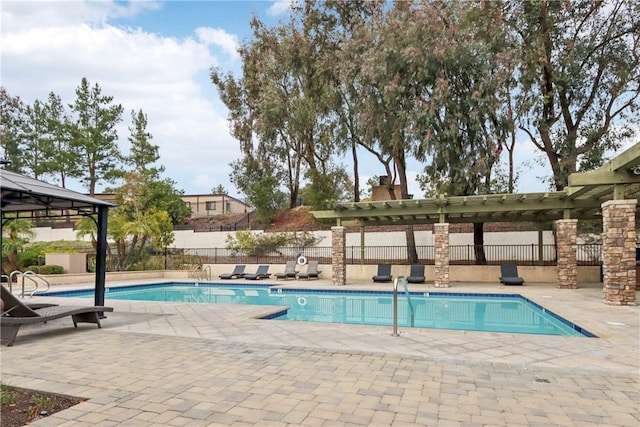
(28, 257)
(46, 269)
(249, 243)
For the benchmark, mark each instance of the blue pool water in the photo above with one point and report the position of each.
(474, 312)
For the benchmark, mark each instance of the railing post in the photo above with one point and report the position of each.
(395, 308)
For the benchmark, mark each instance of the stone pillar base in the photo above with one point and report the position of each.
(338, 256)
(567, 246)
(441, 238)
(619, 252)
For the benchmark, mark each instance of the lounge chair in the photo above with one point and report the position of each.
(509, 275)
(261, 273)
(289, 271)
(238, 272)
(16, 313)
(384, 273)
(416, 274)
(311, 273)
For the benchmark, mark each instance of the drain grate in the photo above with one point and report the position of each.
(543, 380)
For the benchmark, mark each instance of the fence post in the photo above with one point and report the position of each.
(533, 254)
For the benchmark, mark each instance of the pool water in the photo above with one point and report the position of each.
(438, 310)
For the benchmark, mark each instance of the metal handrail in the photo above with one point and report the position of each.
(28, 273)
(206, 273)
(194, 272)
(13, 273)
(395, 303)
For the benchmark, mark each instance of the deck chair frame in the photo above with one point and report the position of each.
(238, 271)
(509, 275)
(18, 313)
(261, 273)
(416, 274)
(384, 274)
(289, 272)
(312, 271)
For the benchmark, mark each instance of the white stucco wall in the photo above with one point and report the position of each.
(217, 239)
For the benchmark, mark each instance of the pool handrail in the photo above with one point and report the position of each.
(395, 303)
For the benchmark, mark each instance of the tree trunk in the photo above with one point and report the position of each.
(412, 252)
(356, 176)
(478, 243)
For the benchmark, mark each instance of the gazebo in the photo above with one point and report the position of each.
(609, 193)
(24, 197)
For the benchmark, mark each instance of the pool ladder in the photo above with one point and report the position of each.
(28, 275)
(201, 273)
(403, 280)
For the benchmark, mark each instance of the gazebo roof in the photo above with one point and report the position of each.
(619, 178)
(23, 196)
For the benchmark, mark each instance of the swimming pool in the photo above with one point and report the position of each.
(438, 310)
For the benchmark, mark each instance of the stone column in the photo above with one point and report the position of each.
(567, 246)
(619, 251)
(338, 256)
(441, 240)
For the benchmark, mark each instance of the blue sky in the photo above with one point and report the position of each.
(155, 56)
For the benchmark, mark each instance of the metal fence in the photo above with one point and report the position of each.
(532, 254)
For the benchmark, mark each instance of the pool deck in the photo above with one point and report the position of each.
(177, 364)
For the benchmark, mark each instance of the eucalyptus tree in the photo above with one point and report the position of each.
(461, 123)
(11, 124)
(94, 136)
(579, 78)
(343, 28)
(280, 108)
(258, 103)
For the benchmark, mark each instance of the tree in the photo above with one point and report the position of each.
(135, 225)
(261, 184)
(15, 234)
(11, 122)
(36, 141)
(64, 161)
(279, 108)
(340, 25)
(94, 135)
(143, 154)
(219, 189)
(579, 78)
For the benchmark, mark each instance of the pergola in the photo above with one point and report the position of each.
(616, 180)
(586, 197)
(24, 197)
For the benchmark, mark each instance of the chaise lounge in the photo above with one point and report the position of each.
(237, 272)
(17, 313)
(384, 273)
(311, 273)
(416, 274)
(289, 271)
(509, 275)
(261, 273)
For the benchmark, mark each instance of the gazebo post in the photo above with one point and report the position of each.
(101, 255)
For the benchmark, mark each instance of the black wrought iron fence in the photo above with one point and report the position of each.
(531, 254)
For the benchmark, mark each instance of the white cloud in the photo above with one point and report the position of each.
(27, 14)
(280, 7)
(165, 77)
(216, 36)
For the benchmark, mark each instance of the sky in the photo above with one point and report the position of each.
(156, 56)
